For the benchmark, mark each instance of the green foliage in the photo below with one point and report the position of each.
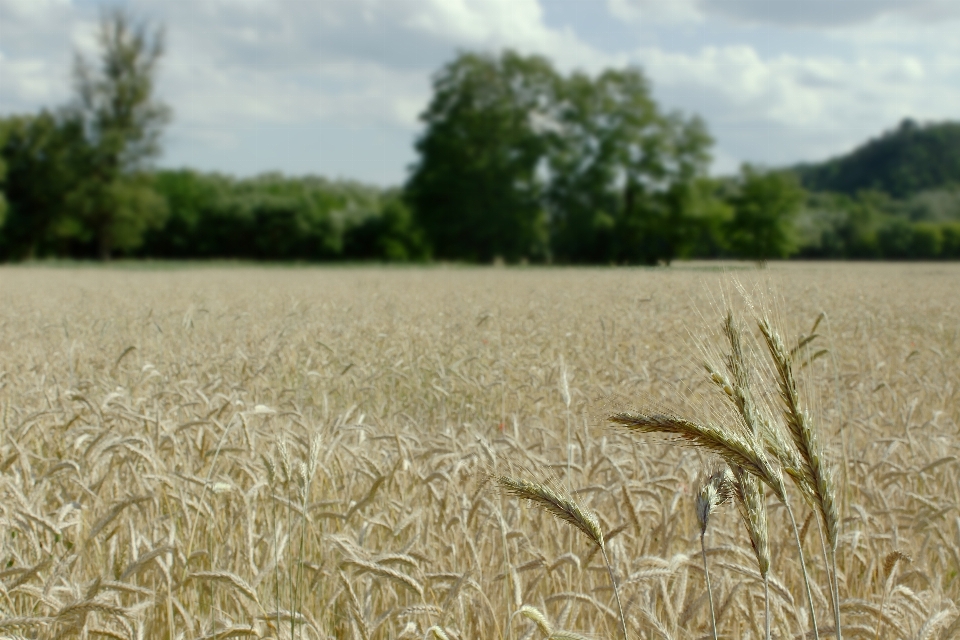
(392, 236)
(903, 162)
(604, 126)
(43, 155)
(764, 205)
(272, 217)
(872, 225)
(3, 174)
(476, 191)
(903, 240)
(838, 226)
(950, 232)
(111, 215)
(517, 161)
(622, 173)
(122, 122)
(508, 140)
(708, 217)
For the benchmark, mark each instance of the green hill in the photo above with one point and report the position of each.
(903, 162)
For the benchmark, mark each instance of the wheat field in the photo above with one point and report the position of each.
(232, 452)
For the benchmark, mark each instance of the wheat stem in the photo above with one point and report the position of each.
(812, 466)
(766, 606)
(616, 593)
(749, 492)
(803, 569)
(566, 508)
(706, 573)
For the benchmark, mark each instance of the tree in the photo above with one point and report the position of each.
(623, 175)
(599, 118)
(3, 175)
(902, 162)
(764, 205)
(514, 150)
(666, 203)
(122, 122)
(391, 236)
(43, 155)
(476, 190)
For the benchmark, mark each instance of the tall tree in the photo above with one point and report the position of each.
(43, 154)
(587, 161)
(123, 121)
(3, 174)
(477, 188)
(665, 201)
(624, 175)
(764, 206)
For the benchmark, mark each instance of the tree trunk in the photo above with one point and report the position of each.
(104, 246)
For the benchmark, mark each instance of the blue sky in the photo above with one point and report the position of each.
(334, 87)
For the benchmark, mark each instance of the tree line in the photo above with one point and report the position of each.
(517, 162)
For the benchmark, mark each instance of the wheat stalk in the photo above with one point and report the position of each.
(569, 510)
(714, 491)
(734, 448)
(741, 451)
(749, 492)
(815, 471)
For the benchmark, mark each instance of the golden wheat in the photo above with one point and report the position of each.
(310, 448)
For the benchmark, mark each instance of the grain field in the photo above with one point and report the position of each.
(239, 452)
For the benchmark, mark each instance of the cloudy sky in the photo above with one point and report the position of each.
(334, 87)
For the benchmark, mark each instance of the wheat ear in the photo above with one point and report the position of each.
(749, 492)
(736, 450)
(802, 434)
(739, 392)
(818, 475)
(753, 512)
(568, 509)
(889, 565)
(714, 491)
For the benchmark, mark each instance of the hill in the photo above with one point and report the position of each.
(903, 162)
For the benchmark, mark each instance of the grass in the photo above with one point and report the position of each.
(304, 453)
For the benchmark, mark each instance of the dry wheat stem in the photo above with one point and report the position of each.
(714, 491)
(749, 492)
(736, 450)
(564, 507)
(818, 475)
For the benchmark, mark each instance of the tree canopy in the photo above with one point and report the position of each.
(77, 182)
(519, 161)
(764, 204)
(476, 189)
(902, 162)
(44, 155)
(122, 121)
(516, 161)
(621, 170)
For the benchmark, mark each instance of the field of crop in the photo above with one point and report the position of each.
(313, 452)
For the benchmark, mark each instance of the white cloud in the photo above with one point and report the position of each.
(345, 60)
(635, 11)
(238, 71)
(786, 13)
(784, 108)
(828, 13)
(234, 67)
(30, 82)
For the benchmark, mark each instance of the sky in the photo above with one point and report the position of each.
(335, 87)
